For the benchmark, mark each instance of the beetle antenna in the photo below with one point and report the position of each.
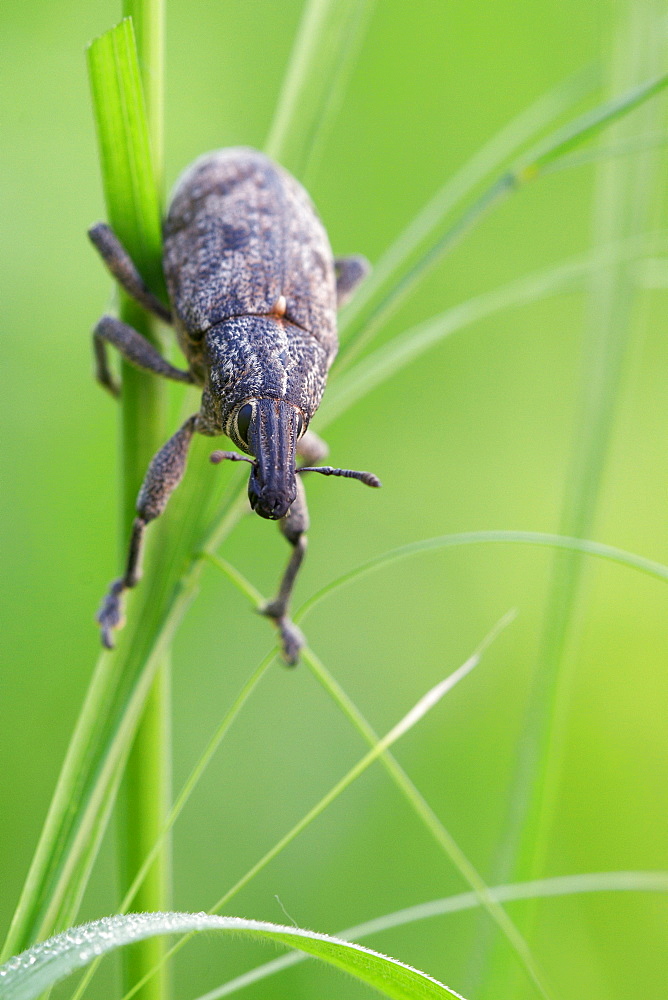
(367, 478)
(233, 456)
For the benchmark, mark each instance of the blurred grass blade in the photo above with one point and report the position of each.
(40, 968)
(590, 124)
(627, 194)
(563, 885)
(427, 224)
(401, 350)
(354, 37)
(596, 153)
(578, 545)
(530, 166)
(317, 68)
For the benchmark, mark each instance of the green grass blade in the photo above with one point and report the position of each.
(354, 36)
(148, 19)
(385, 361)
(146, 788)
(559, 144)
(317, 69)
(427, 224)
(128, 172)
(37, 970)
(562, 885)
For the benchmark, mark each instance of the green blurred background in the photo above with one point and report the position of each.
(477, 434)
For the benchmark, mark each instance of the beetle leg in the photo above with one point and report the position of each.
(120, 263)
(312, 448)
(349, 272)
(293, 527)
(164, 474)
(134, 348)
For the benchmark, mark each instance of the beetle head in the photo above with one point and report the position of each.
(269, 429)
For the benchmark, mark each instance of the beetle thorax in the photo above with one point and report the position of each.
(257, 357)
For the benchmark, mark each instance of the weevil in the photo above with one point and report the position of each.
(253, 289)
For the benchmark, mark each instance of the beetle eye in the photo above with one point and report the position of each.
(243, 422)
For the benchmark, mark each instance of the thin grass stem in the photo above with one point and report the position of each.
(577, 545)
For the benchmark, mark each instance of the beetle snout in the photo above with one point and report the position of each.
(270, 502)
(273, 432)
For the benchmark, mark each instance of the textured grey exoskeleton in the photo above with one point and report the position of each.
(254, 290)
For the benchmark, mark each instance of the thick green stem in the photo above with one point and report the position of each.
(146, 790)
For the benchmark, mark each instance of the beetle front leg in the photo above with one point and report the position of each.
(122, 267)
(134, 348)
(163, 476)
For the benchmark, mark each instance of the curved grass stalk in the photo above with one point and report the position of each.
(549, 888)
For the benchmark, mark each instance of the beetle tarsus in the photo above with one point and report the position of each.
(292, 637)
(292, 640)
(110, 615)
